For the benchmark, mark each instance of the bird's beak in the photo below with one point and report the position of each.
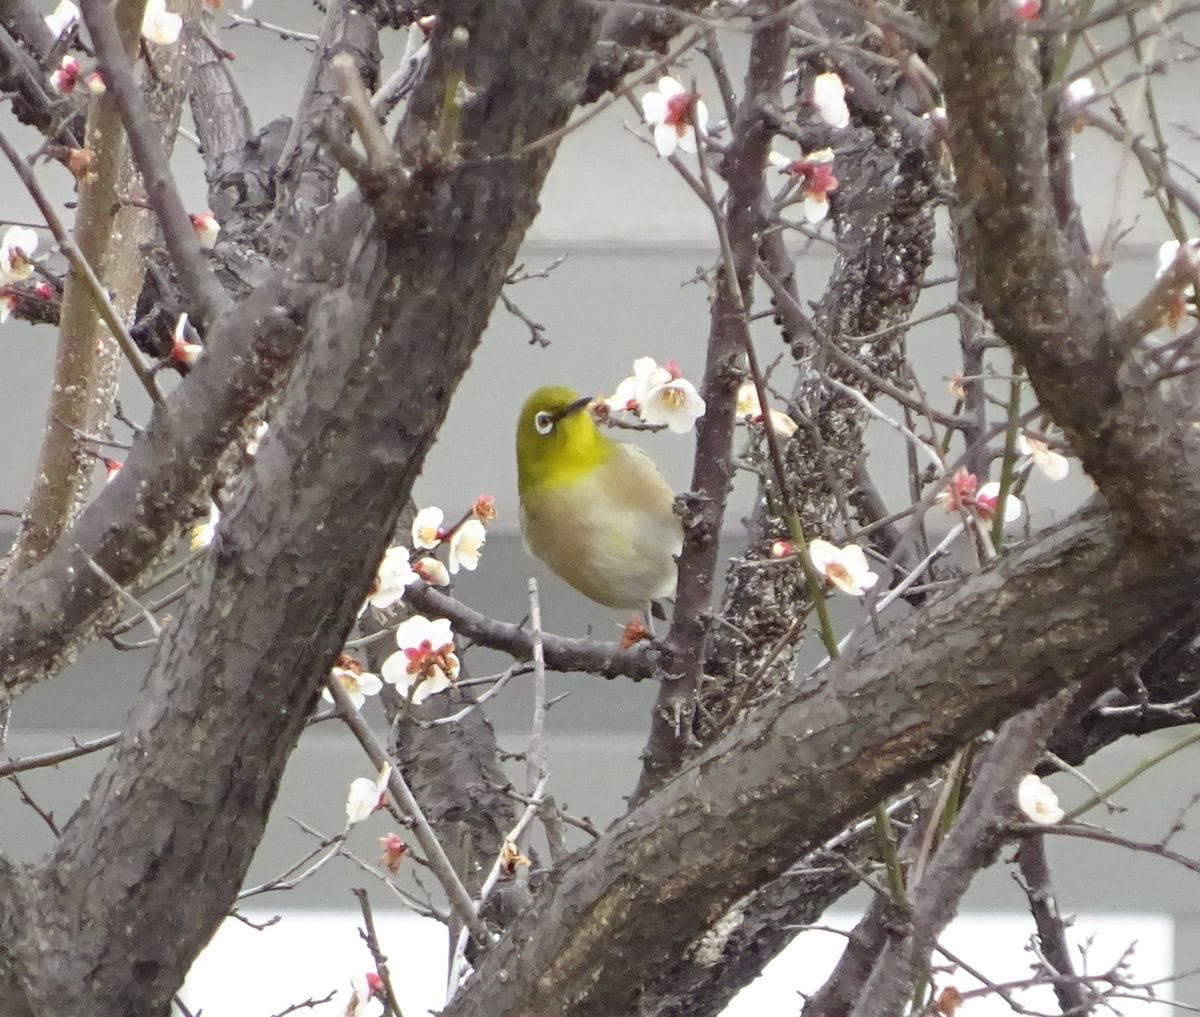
(579, 404)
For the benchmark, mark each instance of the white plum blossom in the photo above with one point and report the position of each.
(364, 989)
(1166, 257)
(782, 424)
(1053, 464)
(465, 545)
(8, 304)
(1079, 91)
(625, 397)
(393, 577)
(660, 395)
(207, 228)
(159, 25)
(205, 533)
(748, 408)
(987, 497)
(670, 111)
(432, 571)
(829, 97)
(427, 528)
(845, 567)
(1169, 251)
(426, 662)
(16, 249)
(66, 15)
(675, 403)
(95, 83)
(747, 404)
(358, 683)
(1039, 803)
(366, 795)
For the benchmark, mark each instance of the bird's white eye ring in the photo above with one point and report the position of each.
(543, 423)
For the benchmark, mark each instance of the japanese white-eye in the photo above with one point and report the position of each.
(595, 510)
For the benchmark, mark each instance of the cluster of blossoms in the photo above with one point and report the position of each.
(660, 395)
(464, 541)
(424, 662)
(159, 26)
(68, 75)
(964, 493)
(675, 114)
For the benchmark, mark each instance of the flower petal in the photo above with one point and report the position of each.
(665, 140)
(668, 87)
(654, 108)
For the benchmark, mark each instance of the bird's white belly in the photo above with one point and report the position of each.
(620, 556)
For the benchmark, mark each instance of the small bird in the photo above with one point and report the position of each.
(596, 511)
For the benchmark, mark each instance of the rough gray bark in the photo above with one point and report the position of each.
(181, 804)
(798, 769)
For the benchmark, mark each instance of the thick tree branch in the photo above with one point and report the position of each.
(803, 765)
(1131, 434)
(182, 802)
(49, 610)
(972, 843)
(563, 654)
(1051, 927)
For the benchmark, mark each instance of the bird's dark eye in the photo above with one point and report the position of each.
(543, 423)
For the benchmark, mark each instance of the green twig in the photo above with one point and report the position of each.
(1146, 764)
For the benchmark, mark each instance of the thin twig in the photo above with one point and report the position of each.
(439, 863)
(83, 268)
(59, 755)
(120, 591)
(205, 295)
(391, 1006)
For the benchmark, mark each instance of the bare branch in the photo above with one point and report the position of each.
(206, 297)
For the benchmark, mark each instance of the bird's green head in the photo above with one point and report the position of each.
(557, 439)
